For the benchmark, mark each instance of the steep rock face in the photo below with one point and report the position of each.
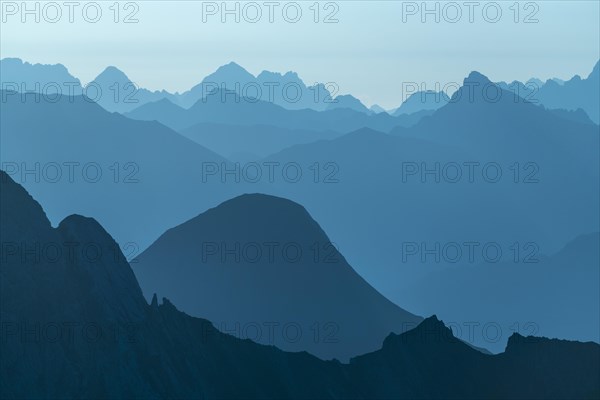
(66, 300)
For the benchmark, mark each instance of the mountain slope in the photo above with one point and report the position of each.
(227, 107)
(92, 162)
(136, 350)
(258, 259)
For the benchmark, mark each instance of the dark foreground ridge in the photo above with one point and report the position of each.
(73, 327)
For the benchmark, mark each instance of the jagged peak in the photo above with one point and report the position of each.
(476, 77)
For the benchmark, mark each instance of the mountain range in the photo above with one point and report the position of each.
(372, 192)
(115, 91)
(76, 326)
(258, 259)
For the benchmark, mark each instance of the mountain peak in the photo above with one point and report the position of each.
(263, 205)
(476, 78)
(232, 67)
(112, 74)
(430, 330)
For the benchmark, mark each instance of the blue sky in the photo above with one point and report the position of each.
(372, 49)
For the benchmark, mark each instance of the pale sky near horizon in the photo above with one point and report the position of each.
(370, 52)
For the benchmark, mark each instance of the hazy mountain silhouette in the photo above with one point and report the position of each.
(116, 92)
(42, 78)
(247, 143)
(377, 109)
(384, 211)
(348, 101)
(520, 296)
(550, 198)
(121, 94)
(227, 77)
(155, 351)
(220, 266)
(286, 90)
(576, 93)
(92, 162)
(419, 101)
(226, 107)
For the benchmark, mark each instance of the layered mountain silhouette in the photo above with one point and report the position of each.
(348, 101)
(92, 162)
(355, 185)
(118, 93)
(419, 177)
(252, 142)
(21, 76)
(286, 90)
(227, 107)
(520, 296)
(113, 89)
(576, 93)
(260, 260)
(424, 100)
(118, 346)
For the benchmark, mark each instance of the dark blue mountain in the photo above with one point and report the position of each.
(417, 189)
(79, 327)
(257, 260)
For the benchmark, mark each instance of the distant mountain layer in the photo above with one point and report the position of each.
(519, 296)
(115, 91)
(77, 325)
(259, 259)
(576, 93)
(251, 142)
(425, 100)
(224, 108)
(93, 162)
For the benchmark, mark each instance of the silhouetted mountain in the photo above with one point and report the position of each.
(248, 143)
(119, 93)
(77, 327)
(116, 92)
(41, 78)
(256, 260)
(348, 101)
(419, 101)
(520, 296)
(286, 90)
(431, 350)
(415, 189)
(576, 93)
(111, 343)
(92, 162)
(578, 115)
(224, 107)
(377, 109)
